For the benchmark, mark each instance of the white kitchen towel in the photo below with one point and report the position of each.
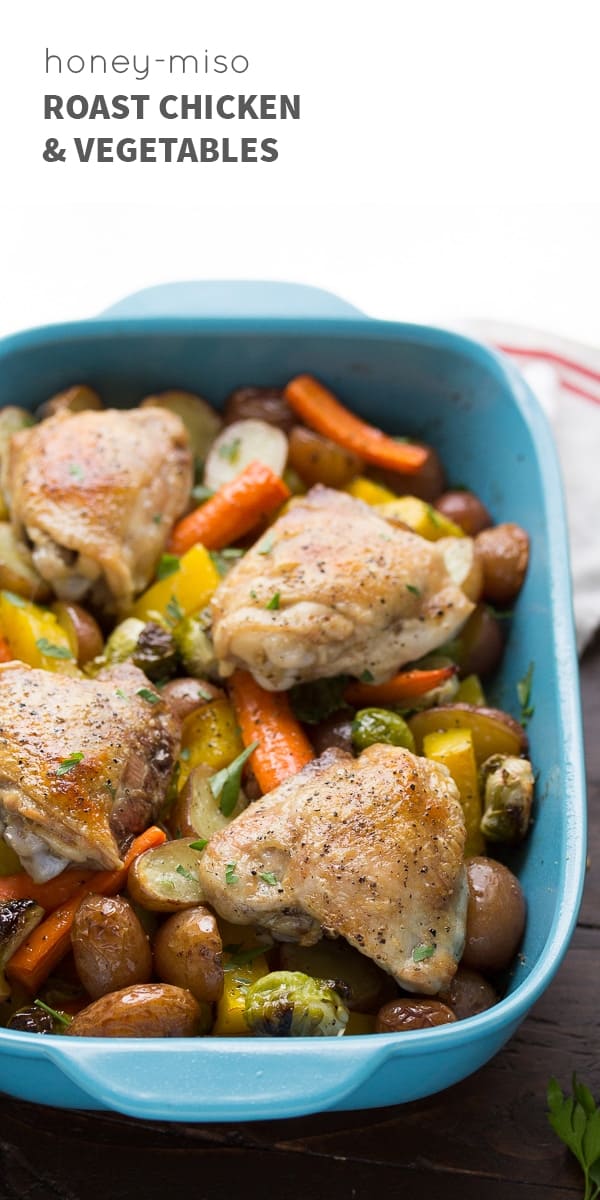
(565, 377)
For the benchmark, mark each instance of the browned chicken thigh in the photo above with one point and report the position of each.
(370, 849)
(96, 495)
(332, 588)
(83, 764)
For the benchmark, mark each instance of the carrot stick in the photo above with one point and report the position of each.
(233, 511)
(41, 952)
(319, 409)
(50, 894)
(266, 718)
(400, 688)
(6, 654)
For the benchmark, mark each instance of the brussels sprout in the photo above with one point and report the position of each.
(123, 640)
(195, 647)
(155, 652)
(372, 725)
(507, 786)
(17, 920)
(290, 1004)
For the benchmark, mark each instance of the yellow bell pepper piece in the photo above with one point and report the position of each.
(454, 750)
(231, 1021)
(187, 589)
(421, 517)
(359, 1023)
(34, 635)
(209, 735)
(371, 493)
(470, 691)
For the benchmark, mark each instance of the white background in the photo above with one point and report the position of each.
(446, 164)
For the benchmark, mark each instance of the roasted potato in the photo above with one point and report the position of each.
(188, 952)
(333, 959)
(165, 879)
(73, 400)
(185, 694)
(480, 645)
(17, 572)
(463, 565)
(504, 554)
(110, 948)
(319, 460)
(146, 1010)
(427, 483)
(240, 444)
(201, 421)
(399, 1016)
(196, 813)
(468, 994)
(493, 731)
(334, 730)
(465, 509)
(260, 404)
(82, 630)
(495, 915)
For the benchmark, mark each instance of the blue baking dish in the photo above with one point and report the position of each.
(492, 435)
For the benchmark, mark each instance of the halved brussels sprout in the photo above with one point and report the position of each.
(290, 1004)
(195, 646)
(507, 785)
(373, 725)
(17, 919)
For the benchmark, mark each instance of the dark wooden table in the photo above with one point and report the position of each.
(485, 1139)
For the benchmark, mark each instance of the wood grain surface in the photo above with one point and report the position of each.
(485, 1139)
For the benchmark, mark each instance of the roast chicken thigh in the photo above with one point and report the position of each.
(83, 764)
(95, 495)
(370, 849)
(332, 588)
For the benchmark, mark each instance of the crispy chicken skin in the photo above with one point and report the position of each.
(370, 849)
(353, 594)
(85, 813)
(96, 494)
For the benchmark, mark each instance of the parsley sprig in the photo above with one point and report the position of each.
(576, 1121)
(67, 764)
(225, 785)
(524, 695)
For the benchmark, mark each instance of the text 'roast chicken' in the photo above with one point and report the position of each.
(95, 495)
(83, 764)
(332, 588)
(369, 849)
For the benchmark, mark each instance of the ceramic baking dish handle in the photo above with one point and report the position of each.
(221, 1080)
(232, 298)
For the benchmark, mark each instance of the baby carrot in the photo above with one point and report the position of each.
(233, 511)
(266, 717)
(320, 410)
(50, 894)
(41, 952)
(401, 688)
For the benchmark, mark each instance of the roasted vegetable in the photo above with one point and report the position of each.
(184, 696)
(110, 948)
(17, 573)
(185, 588)
(123, 640)
(34, 635)
(504, 554)
(400, 1016)
(75, 399)
(166, 879)
(463, 565)
(155, 652)
(366, 987)
(335, 730)
(468, 994)
(372, 725)
(33, 1019)
(319, 460)
(12, 420)
(202, 422)
(369, 492)
(479, 647)
(239, 445)
(453, 748)
(507, 785)
(17, 919)
(210, 735)
(465, 509)
(261, 404)
(146, 1010)
(242, 968)
(291, 1004)
(196, 812)
(188, 952)
(82, 630)
(420, 516)
(195, 646)
(495, 915)
(493, 731)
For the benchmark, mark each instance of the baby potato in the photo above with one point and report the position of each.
(260, 404)
(319, 460)
(165, 879)
(202, 423)
(468, 994)
(495, 915)
(399, 1016)
(481, 643)
(82, 630)
(146, 1010)
(504, 555)
(196, 813)
(427, 483)
(75, 399)
(466, 510)
(185, 694)
(463, 565)
(110, 948)
(188, 953)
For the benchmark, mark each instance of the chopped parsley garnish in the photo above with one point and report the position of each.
(146, 694)
(204, 693)
(576, 1121)
(157, 518)
(524, 694)
(60, 1017)
(67, 764)
(121, 694)
(185, 754)
(239, 957)
(225, 785)
(76, 470)
(434, 516)
(420, 953)
(230, 450)
(230, 875)
(181, 870)
(18, 601)
(273, 603)
(367, 676)
(201, 493)
(232, 552)
(410, 587)
(253, 595)
(174, 611)
(168, 565)
(51, 650)
(266, 546)
(201, 844)
(269, 877)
